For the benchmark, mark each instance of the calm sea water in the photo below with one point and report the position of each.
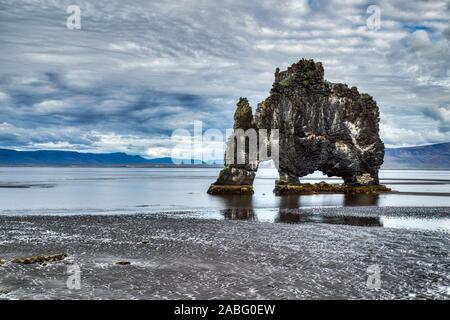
(61, 191)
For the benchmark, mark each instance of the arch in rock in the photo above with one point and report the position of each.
(322, 126)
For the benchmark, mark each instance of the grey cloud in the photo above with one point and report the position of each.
(441, 115)
(135, 72)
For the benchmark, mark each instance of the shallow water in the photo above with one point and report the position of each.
(69, 191)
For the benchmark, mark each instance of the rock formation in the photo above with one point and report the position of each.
(322, 126)
(234, 173)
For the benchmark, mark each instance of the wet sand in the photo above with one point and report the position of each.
(177, 257)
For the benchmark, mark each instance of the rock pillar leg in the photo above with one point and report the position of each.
(241, 158)
(286, 178)
(285, 183)
(233, 180)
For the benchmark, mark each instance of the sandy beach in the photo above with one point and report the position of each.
(175, 256)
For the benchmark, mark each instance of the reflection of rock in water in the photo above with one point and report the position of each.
(238, 207)
(354, 221)
(293, 201)
(290, 216)
(239, 214)
(289, 201)
(351, 200)
(296, 216)
(236, 201)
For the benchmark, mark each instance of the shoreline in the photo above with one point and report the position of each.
(187, 258)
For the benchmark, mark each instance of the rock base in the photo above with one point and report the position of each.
(308, 188)
(230, 189)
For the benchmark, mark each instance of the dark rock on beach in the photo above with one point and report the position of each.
(4, 291)
(40, 259)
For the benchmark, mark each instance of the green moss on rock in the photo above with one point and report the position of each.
(243, 116)
(230, 189)
(322, 187)
(287, 82)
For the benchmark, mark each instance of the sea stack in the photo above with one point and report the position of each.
(322, 126)
(237, 178)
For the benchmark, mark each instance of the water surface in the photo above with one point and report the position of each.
(68, 191)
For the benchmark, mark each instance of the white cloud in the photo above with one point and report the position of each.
(4, 97)
(398, 136)
(50, 106)
(135, 72)
(419, 40)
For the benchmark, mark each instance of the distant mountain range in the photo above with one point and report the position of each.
(436, 156)
(71, 158)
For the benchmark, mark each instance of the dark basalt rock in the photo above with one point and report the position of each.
(237, 178)
(230, 189)
(323, 126)
(40, 259)
(5, 291)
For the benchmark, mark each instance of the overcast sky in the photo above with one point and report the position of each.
(137, 70)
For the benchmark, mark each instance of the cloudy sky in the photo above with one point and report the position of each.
(137, 70)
